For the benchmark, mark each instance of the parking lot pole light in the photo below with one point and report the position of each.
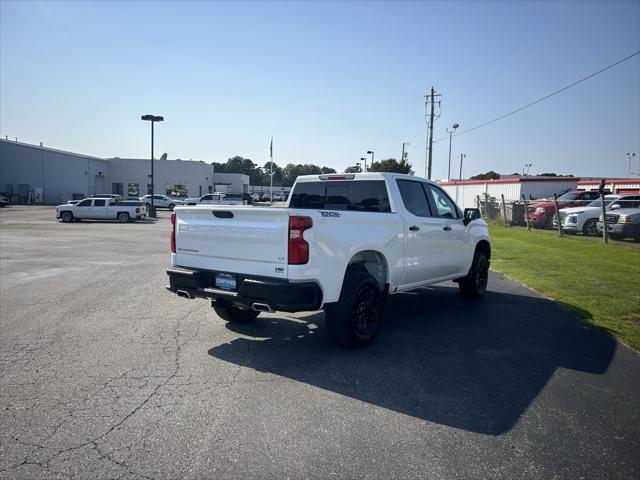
(450, 132)
(364, 162)
(370, 152)
(462, 155)
(153, 119)
(630, 156)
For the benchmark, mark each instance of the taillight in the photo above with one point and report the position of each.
(298, 247)
(173, 232)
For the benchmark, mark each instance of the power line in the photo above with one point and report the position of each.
(542, 98)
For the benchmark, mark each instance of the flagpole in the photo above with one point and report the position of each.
(271, 155)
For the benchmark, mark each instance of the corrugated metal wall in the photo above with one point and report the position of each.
(624, 185)
(547, 189)
(511, 191)
(465, 194)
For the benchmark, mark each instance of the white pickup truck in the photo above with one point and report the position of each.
(343, 243)
(101, 209)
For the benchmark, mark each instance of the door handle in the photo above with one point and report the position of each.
(414, 228)
(446, 228)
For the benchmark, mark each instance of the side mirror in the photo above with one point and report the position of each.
(615, 206)
(471, 214)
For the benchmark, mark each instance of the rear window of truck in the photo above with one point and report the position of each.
(355, 196)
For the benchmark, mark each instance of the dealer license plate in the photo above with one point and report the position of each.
(225, 281)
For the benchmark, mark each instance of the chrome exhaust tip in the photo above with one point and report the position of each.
(262, 307)
(184, 293)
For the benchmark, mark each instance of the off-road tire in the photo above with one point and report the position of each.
(123, 217)
(474, 285)
(66, 217)
(233, 314)
(354, 320)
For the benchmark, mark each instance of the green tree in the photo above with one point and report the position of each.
(326, 170)
(238, 164)
(490, 175)
(219, 167)
(278, 174)
(391, 165)
(353, 169)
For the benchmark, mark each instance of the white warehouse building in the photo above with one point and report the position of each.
(465, 192)
(37, 174)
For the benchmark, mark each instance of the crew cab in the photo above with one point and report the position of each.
(342, 244)
(584, 219)
(541, 213)
(101, 209)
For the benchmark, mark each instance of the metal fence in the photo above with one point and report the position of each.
(513, 212)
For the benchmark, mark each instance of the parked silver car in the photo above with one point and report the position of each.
(161, 201)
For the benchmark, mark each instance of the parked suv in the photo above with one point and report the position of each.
(584, 219)
(540, 213)
(622, 223)
(161, 201)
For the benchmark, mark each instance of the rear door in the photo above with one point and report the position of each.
(235, 239)
(99, 209)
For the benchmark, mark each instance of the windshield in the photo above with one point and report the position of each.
(569, 196)
(597, 203)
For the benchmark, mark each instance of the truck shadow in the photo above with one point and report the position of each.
(470, 365)
(87, 221)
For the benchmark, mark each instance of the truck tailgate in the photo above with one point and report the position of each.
(237, 239)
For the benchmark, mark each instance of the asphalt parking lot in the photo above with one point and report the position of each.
(105, 374)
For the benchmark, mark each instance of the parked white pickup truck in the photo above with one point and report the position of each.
(343, 243)
(101, 209)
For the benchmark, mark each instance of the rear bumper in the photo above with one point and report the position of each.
(280, 295)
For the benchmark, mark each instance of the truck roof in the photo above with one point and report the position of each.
(357, 176)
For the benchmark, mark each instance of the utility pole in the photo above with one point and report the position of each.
(402, 157)
(462, 155)
(429, 161)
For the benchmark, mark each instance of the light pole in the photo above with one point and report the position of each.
(630, 156)
(153, 119)
(364, 162)
(370, 152)
(527, 166)
(358, 164)
(462, 156)
(454, 127)
(405, 154)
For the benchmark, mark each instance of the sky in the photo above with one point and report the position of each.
(327, 80)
